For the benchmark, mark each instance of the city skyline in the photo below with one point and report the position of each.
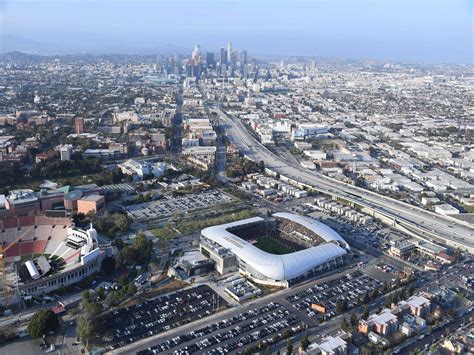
(438, 31)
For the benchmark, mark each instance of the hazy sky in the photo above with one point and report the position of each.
(424, 30)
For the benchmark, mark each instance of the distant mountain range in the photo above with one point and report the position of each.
(9, 43)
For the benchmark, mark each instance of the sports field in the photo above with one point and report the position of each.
(272, 246)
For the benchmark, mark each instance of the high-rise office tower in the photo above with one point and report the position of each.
(243, 60)
(223, 56)
(229, 53)
(210, 60)
(197, 53)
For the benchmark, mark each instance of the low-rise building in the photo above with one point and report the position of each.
(402, 249)
(329, 346)
(384, 323)
(446, 210)
(91, 204)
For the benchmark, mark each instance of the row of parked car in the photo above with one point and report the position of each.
(349, 287)
(248, 327)
(127, 325)
(211, 328)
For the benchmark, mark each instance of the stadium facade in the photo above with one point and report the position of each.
(46, 254)
(232, 246)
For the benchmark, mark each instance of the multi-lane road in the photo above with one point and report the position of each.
(419, 221)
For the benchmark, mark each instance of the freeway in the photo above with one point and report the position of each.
(425, 224)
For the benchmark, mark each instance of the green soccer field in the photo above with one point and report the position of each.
(271, 246)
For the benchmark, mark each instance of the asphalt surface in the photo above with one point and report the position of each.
(277, 298)
(156, 316)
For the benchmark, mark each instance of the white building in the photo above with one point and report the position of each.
(139, 169)
(446, 210)
(329, 346)
(65, 151)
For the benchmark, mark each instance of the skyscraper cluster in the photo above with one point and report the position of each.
(231, 63)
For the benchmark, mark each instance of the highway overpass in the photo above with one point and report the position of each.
(414, 220)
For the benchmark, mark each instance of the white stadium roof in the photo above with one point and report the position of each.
(279, 267)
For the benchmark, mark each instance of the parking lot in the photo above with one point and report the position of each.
(349, 287)
(164, 208)
(127, 325)
(266, 324)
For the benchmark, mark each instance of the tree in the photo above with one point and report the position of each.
(42, 322)
(140, 250)
(353, 319)
(143, 246)
(366, 298)
(374, 293)
(101, 293)
(86, 326)
(131, 289)
(365, 314)
(345, 324)
(93, 308)
(126, 256)
(289, 346)
(402, 294)
(341, 305)
(305, 343)
(108, 265)
(113, 299)
(112, 224)
(86, 296)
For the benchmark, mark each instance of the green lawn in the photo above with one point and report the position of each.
(188, 226)
(271, 246)
(163, 233)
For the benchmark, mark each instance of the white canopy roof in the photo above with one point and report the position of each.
(278, 267)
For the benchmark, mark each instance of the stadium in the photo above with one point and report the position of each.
(42, 254)
(280, 251)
